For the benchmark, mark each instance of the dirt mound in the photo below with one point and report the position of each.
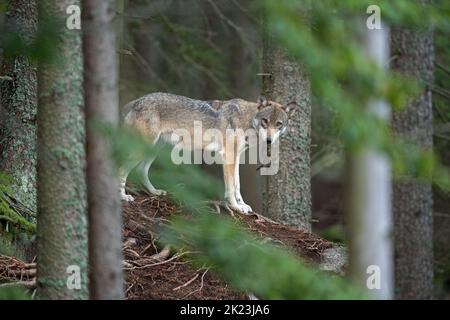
(157, 273)
(152, 274)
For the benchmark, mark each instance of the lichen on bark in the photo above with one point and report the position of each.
(62, 220)
(18, 107)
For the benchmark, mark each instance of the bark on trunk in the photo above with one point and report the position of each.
(19, 105)
(412, 55)
(102, 104)
(62, 222)
(287, 196)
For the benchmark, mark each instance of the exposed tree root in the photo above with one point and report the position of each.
(201, 284)
(24, 284)
(222, 204)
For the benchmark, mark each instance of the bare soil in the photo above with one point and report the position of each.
(152, 274)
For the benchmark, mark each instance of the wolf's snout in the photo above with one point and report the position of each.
(269, 141)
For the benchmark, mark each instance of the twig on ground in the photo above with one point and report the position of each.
(187, 283)
(201, 284)
(129, 288)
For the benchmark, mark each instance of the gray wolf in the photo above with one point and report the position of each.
(158, 116)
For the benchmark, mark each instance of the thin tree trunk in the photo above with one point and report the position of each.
(62, 222)
(287, 196)
(368, 214)
(102, 104)
(19, 106)
(240, 85)
(413, 201)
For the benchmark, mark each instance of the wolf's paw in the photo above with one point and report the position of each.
(242, 208)
(127, 197)
(158, 192)
(245, 207)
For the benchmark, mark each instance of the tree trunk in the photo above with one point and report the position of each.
(287, 196)
(368, 198)
(240, 79)
(19, 105)
(413, 56)
(102, 104)
(62, 222)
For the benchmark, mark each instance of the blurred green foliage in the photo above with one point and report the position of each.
(326, 38)
(334, 233)
(14, 293)
(327, 42)
(38, 47)
(266, 270)
(241, 259)
(185, 183)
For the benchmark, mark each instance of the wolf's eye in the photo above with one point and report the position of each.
(264, 122)
(279, 123)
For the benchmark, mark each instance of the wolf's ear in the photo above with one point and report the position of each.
(262, 102)
(291, 108)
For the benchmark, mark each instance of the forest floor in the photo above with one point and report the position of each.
(153, 272)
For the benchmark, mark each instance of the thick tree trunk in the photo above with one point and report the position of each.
(287, 195)
(412, 55)
(62, 222)
(102, 104)
(19, 105)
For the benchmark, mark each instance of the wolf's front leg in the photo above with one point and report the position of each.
(230, 189)
(237, 184)
(123, 194)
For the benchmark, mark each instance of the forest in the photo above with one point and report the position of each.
(224, 150)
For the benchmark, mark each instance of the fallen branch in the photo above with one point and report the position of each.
(156, 263)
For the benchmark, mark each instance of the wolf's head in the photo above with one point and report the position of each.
(272, 118)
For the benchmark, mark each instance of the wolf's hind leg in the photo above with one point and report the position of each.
(143, 168)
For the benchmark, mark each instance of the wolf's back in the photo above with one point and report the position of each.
(168, 102)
